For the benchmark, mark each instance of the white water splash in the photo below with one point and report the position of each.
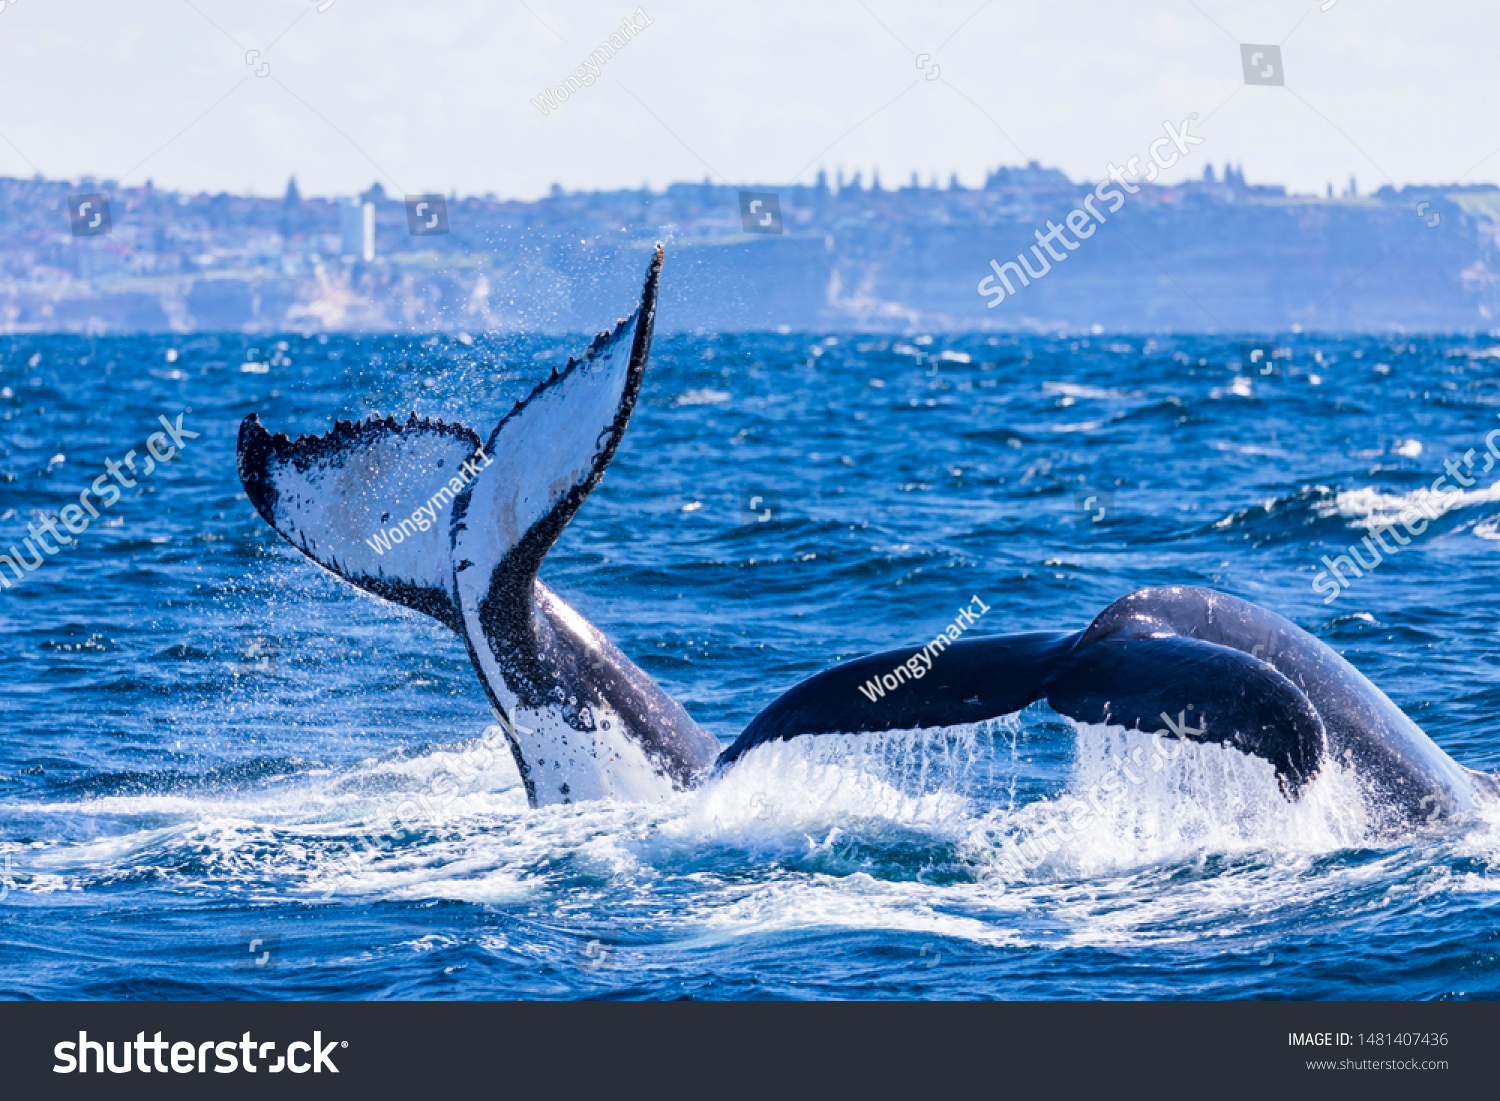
(1201, 797)
(919, 780)
(1370, 508)
(901, 831)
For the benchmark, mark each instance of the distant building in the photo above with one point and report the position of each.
(357, 230)
(1033, 178)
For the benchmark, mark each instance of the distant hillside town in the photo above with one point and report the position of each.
(1215, 254)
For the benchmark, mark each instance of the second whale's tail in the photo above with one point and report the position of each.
(1231, 673)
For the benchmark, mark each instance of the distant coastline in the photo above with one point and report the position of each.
(1215, 254)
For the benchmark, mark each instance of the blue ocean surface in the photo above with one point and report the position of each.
(200, 725)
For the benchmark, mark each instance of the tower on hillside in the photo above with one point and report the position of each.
(291, 210)
(357, 230)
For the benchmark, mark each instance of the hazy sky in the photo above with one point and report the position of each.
(436, 97)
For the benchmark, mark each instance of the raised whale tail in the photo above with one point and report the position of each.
(386, 504)
(430, 516)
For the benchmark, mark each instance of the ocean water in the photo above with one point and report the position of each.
(198, 722)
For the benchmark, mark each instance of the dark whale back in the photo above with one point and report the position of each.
(1241, 675)
(1405, 773)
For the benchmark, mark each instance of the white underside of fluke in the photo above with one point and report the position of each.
(570, 766)
(375, 500)
(475, 533)
(540, 453)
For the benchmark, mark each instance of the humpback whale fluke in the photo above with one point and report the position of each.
(584, 722)
(1248, 678)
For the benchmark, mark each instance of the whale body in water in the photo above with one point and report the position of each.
(584, 722)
